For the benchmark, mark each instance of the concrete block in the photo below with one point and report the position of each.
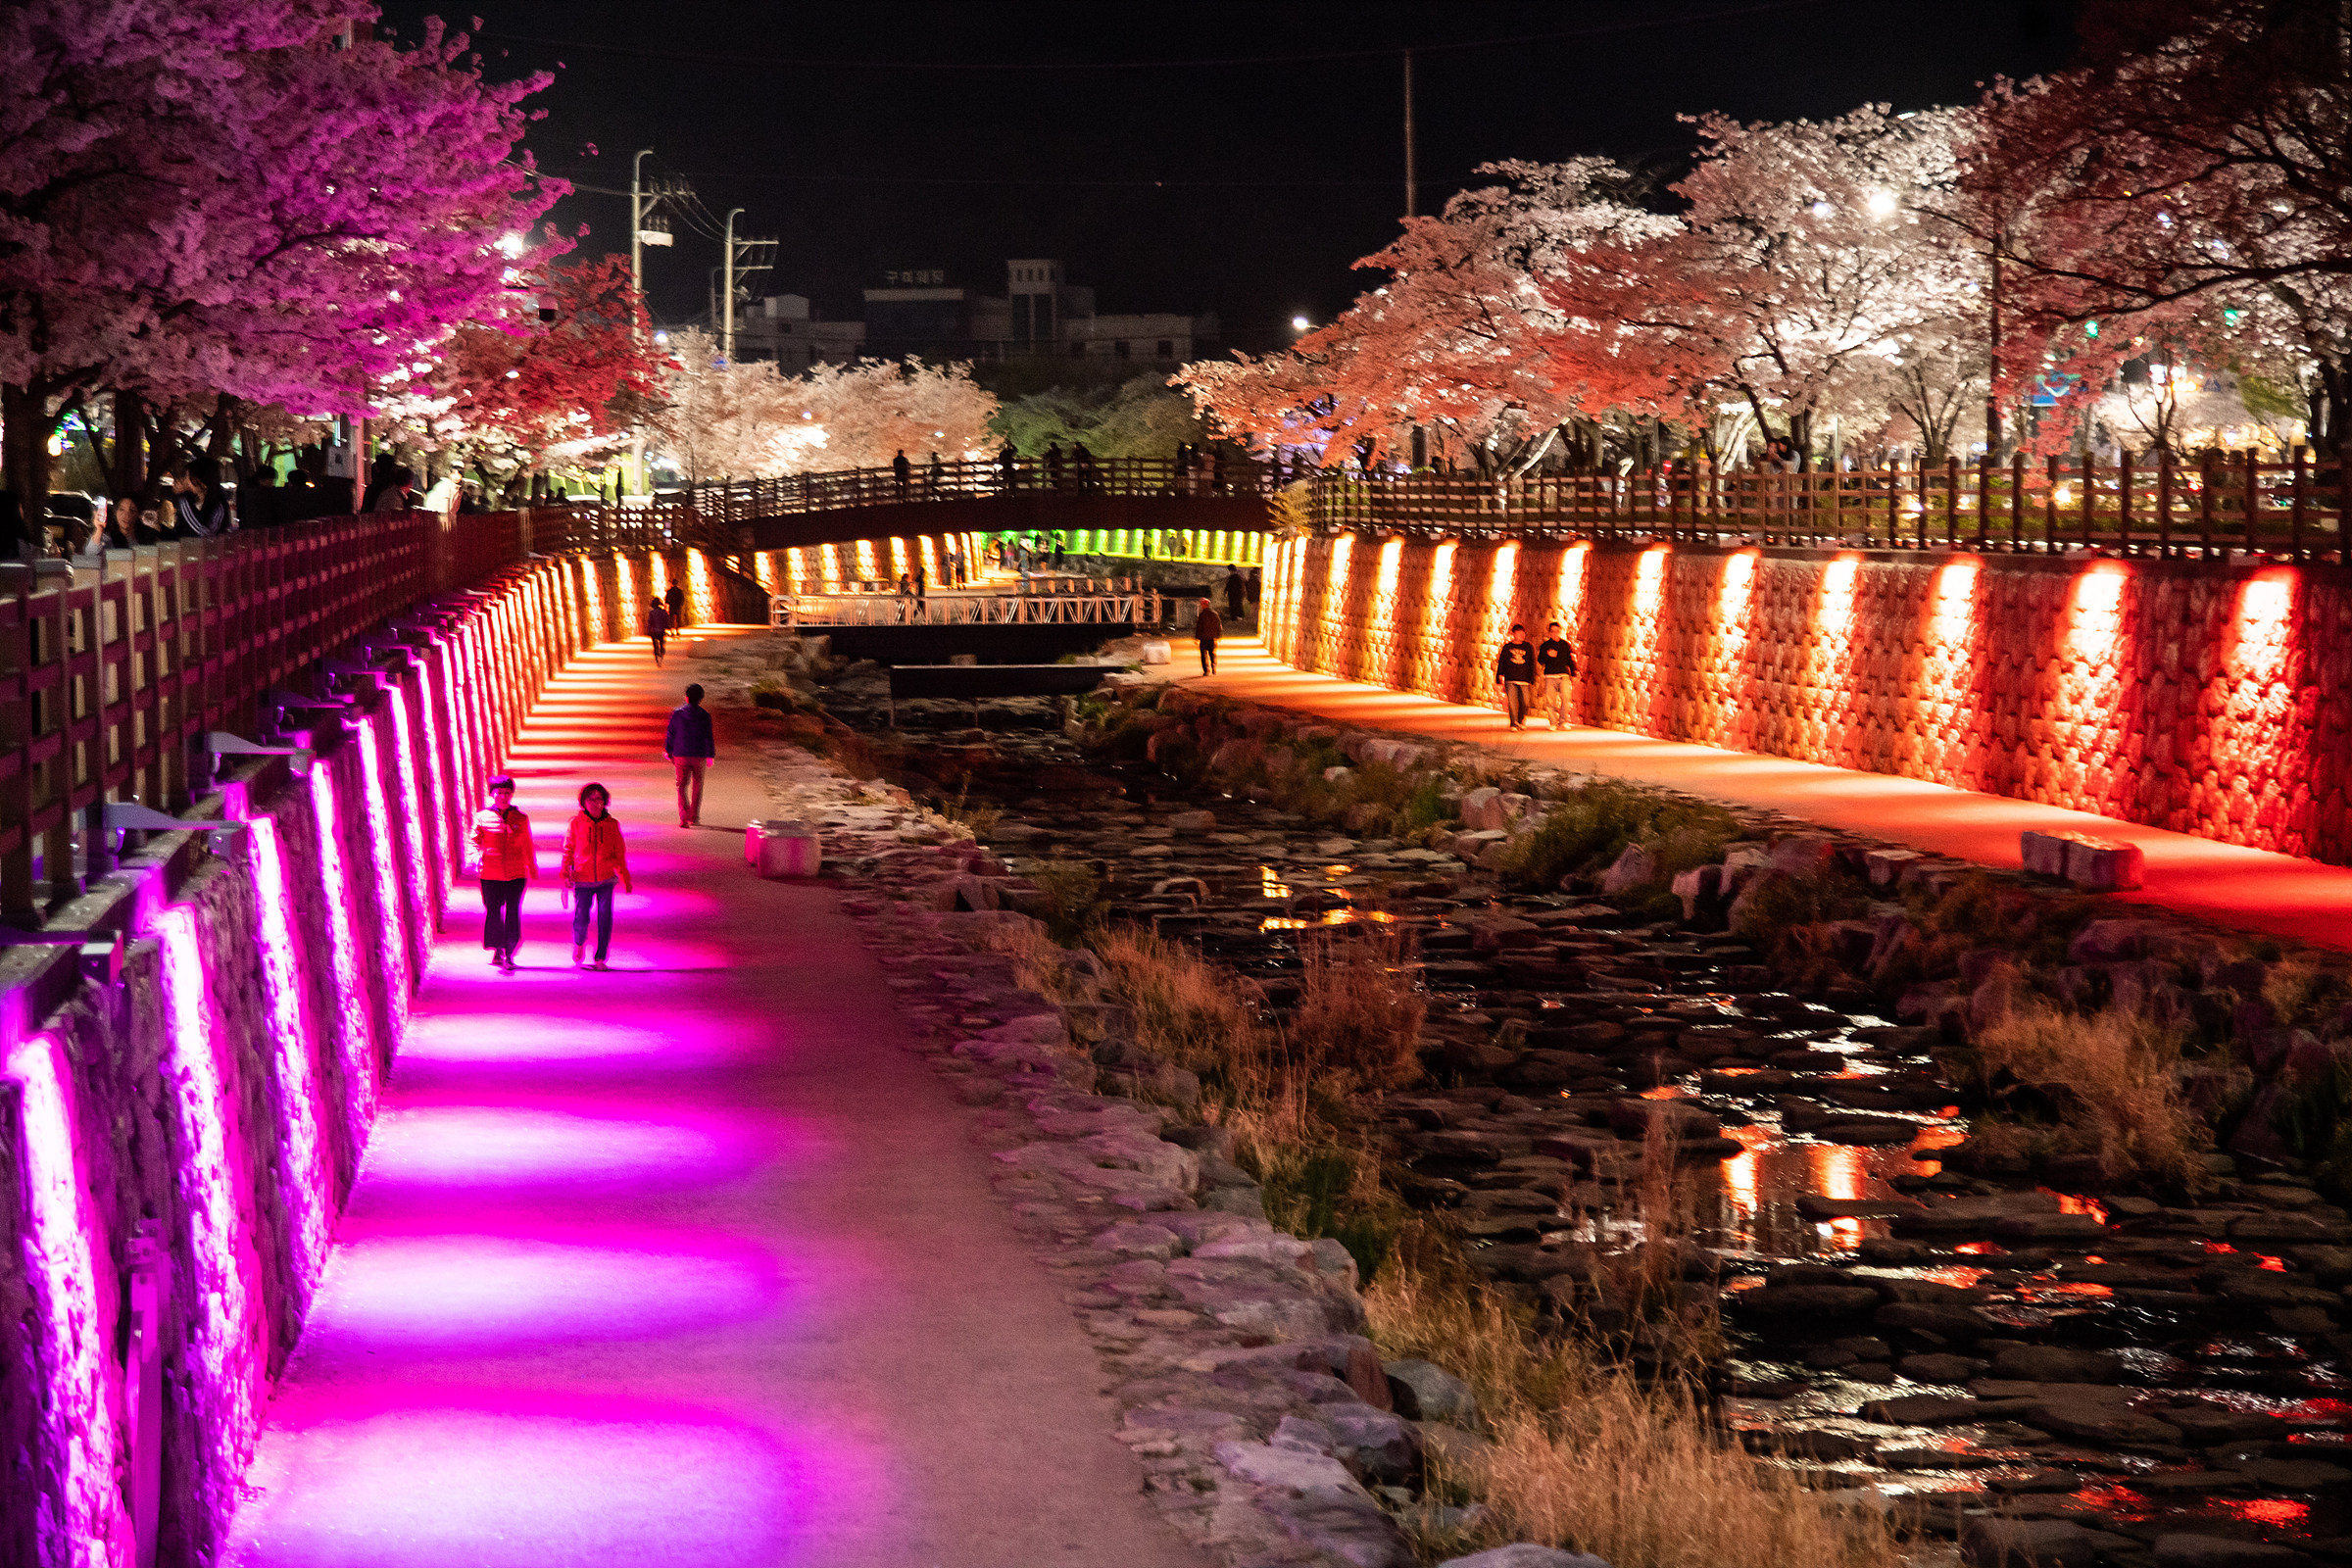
(2103, 865)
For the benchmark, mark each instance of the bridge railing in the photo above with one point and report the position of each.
(748, 502)
(797, 610)
(2210, 508)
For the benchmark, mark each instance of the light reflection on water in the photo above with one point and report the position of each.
(1756, 1213)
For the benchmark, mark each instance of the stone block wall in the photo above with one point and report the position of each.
(188, 1112)
(2207, 699)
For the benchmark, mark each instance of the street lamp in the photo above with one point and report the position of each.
(1300, 324)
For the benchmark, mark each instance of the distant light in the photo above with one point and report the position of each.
(1822, 208)
(513, 244)
(941, 434)
(662, 339)
(1882, 203)
(1300, 324)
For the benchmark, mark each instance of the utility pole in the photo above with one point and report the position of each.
(726, 337)
(1412, 190)
(637, 287)
(1993, 377)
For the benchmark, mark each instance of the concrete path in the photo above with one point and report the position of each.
(689, 1264)
(2249, 889)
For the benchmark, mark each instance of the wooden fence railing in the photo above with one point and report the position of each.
(2210, 509)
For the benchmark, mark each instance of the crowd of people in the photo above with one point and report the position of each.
(198, 501)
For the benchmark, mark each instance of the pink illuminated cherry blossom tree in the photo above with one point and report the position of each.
(255, 198)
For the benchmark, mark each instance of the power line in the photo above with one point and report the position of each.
(780, 63)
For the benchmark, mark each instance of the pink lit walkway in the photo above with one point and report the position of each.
(2249, 889)
(687, 1265)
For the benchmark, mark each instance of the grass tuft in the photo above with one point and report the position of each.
(2114, 1071)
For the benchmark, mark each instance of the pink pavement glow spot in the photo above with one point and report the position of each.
(479, 1037)
(495, 1477)
(64, 1270)
(227, 1336)
(308, 1185)
(499, 1149)
(486, 1292)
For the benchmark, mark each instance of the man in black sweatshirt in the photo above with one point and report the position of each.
(1515, 669)
(1555, 662)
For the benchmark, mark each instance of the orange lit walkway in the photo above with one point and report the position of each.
(2249, 889)
(691, 1264)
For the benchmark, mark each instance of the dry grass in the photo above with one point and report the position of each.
(1587, 1457)
(2300, 985)
(1201, 1018)
(1359, 1012)
(2115, 1071)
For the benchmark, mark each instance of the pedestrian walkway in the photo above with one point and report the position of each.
(2249, 889)
(691, 1264)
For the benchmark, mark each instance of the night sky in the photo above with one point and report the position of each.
(1245, 186)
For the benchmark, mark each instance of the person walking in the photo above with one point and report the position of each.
(1053, 464)
(1206, 629)
(1008, 469)
(399, 496)
(1515, 669)
(1555, 662)
(934, 478)
(1237, 593)
(675, 599)
(691, 751)
(902, 472)
(594, 863)
(502, 837)
(656, 629)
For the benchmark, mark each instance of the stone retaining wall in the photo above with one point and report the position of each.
(2207, 699)
(191, 1059)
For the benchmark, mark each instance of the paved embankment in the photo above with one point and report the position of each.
(691, 1262)
(2252, 889)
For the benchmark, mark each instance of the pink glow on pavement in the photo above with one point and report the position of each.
(358, 1032)
(388, 891)
(309, 1186)
(62, 1268)
(496, 1149)
(486, 1292)
(497, 1478)
(228, 1337)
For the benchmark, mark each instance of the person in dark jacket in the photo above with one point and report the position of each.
(691, 750)
(1206, 629)
(259, 500)
(656, 629)
(1237, 593)
(1555, 662)
(675, 599)
(902, 472)
(1515, 669)
(297, 499)
(196, 497)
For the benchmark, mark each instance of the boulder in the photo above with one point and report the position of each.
(1803, 854)
(1376, 1445)
(1799, 1303)
(1193, 821)
(1481, 809)
(1636, 868)
(1423, 1391)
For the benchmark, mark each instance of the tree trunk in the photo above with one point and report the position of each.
(1800, 436)
(127, 465)
(24, 429)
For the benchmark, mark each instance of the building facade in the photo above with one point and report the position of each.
(918, 310)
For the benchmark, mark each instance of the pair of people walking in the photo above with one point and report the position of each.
(596, 863)
(1520, 667)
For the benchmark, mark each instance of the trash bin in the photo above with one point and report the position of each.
(751, 841)
(789, 848)
(1157, 652)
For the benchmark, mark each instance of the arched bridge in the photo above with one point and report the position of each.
(1143, 508)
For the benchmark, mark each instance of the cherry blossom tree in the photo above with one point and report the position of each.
(745, 420)
(255, 198)
(560, 371)
(2187, 179)
(1463, 337)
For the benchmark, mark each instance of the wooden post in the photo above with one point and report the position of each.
(2205, 504)
(2163, 501)
(2049, 507)
(2123, 489)
(1983, 497)
(2295, 523)
(2017, 501)
(2253, 498)
(2091, 498)
(1951, 501)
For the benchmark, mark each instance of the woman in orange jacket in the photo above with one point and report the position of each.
(502, 835)
(595, 862)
